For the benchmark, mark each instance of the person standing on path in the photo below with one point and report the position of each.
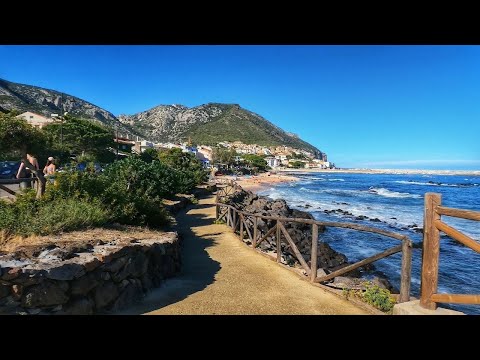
(50, 168)
(24, 172)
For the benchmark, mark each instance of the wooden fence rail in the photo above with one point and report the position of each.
(230, 212)
(433, 224)
(4, 182)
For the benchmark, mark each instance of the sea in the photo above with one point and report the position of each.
(396, 203)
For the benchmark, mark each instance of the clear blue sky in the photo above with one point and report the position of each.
(365, 106)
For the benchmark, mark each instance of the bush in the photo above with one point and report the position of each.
(129, 191)
(380, 298)
(28, 216)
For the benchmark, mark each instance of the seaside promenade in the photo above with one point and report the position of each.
(222, 276)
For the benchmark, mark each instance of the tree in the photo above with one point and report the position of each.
(17, 137)
(149, 155)
(185, 162)
(296, 164)
(255, 161)
(224, 156)
(80, 136)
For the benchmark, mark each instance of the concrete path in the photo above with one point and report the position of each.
(220, 275)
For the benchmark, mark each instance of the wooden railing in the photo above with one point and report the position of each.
(237, 219)
(4, 182)
(431, 251)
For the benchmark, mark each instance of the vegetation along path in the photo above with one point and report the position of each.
(220, 275)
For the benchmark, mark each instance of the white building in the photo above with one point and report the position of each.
(273, 162)
(36, 120)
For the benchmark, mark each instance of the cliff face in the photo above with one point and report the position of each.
(14, 96)
(210, 124)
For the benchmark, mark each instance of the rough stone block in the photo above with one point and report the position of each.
(414, 308)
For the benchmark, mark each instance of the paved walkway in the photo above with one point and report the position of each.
(222, 276)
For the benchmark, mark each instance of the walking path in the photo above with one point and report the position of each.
(220, 275)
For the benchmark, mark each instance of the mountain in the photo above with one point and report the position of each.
(14, 96)
(210, 124)
(206, 124)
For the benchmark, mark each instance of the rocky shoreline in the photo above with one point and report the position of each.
(328, 259)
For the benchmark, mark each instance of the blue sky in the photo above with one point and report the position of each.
(365, 106)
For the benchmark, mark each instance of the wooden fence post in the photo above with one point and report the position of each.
(406, 271)
(254, 243)
(431, 251)
(279, 248)
(240, 216)
(313, 255)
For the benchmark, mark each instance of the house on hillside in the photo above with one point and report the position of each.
(273, 162)
(124, 145)
(36, 120)
(141, 146)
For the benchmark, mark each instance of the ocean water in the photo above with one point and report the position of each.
(397, 201)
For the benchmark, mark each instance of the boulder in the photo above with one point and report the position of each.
(4, 290)
(65, 272)
(129, 295)
(84, 284)
(105, 294)
(80, 306)
(42, 295)
(11, 273)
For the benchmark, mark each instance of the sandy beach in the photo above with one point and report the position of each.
(258, 182)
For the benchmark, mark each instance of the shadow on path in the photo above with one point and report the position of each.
(198, 268)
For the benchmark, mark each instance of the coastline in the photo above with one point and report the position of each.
(383, 171)
(259, 182)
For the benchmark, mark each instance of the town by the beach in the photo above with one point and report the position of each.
(298, 201)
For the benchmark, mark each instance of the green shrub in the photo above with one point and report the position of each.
(378, 297)
(129, 191)
(193, 200)
(28, 216)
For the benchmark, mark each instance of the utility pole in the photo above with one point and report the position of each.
(116, 131)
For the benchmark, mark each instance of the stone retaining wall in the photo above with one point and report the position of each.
(103, 278)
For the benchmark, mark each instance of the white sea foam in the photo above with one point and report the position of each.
(393, 194)
(433, 184)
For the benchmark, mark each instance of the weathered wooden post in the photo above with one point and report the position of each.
(313, 255)
(279, 248)
(255, 222)
(240, 216)
(234, 222)
(406, 271)
(431, 251)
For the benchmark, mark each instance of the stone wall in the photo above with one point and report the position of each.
(101, 278)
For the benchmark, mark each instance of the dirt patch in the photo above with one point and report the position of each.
(75, 241)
